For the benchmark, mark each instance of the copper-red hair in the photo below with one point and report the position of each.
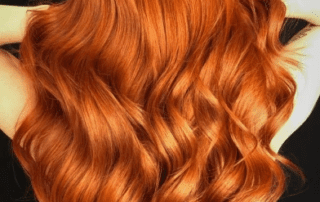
(160, 101)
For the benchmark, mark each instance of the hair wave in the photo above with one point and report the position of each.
(156, 101)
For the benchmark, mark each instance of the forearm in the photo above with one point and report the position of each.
(308, 10)
(311, 17)
(13, 22)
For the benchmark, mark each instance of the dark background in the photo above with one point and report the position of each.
(301, 148)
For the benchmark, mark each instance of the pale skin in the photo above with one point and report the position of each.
(13, 21)
(16, 87)
(16, 95)
(307, 80)
(308, 10)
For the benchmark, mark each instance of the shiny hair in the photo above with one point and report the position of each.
(156, 100)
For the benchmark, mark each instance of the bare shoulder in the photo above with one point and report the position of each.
(15, 93)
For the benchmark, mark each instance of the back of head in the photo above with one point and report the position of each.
(155, 100)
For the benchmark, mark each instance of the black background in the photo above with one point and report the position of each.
(302, 147)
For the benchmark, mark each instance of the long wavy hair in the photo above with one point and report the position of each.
(156, 100)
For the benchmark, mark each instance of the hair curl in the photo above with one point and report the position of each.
(156, 101)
